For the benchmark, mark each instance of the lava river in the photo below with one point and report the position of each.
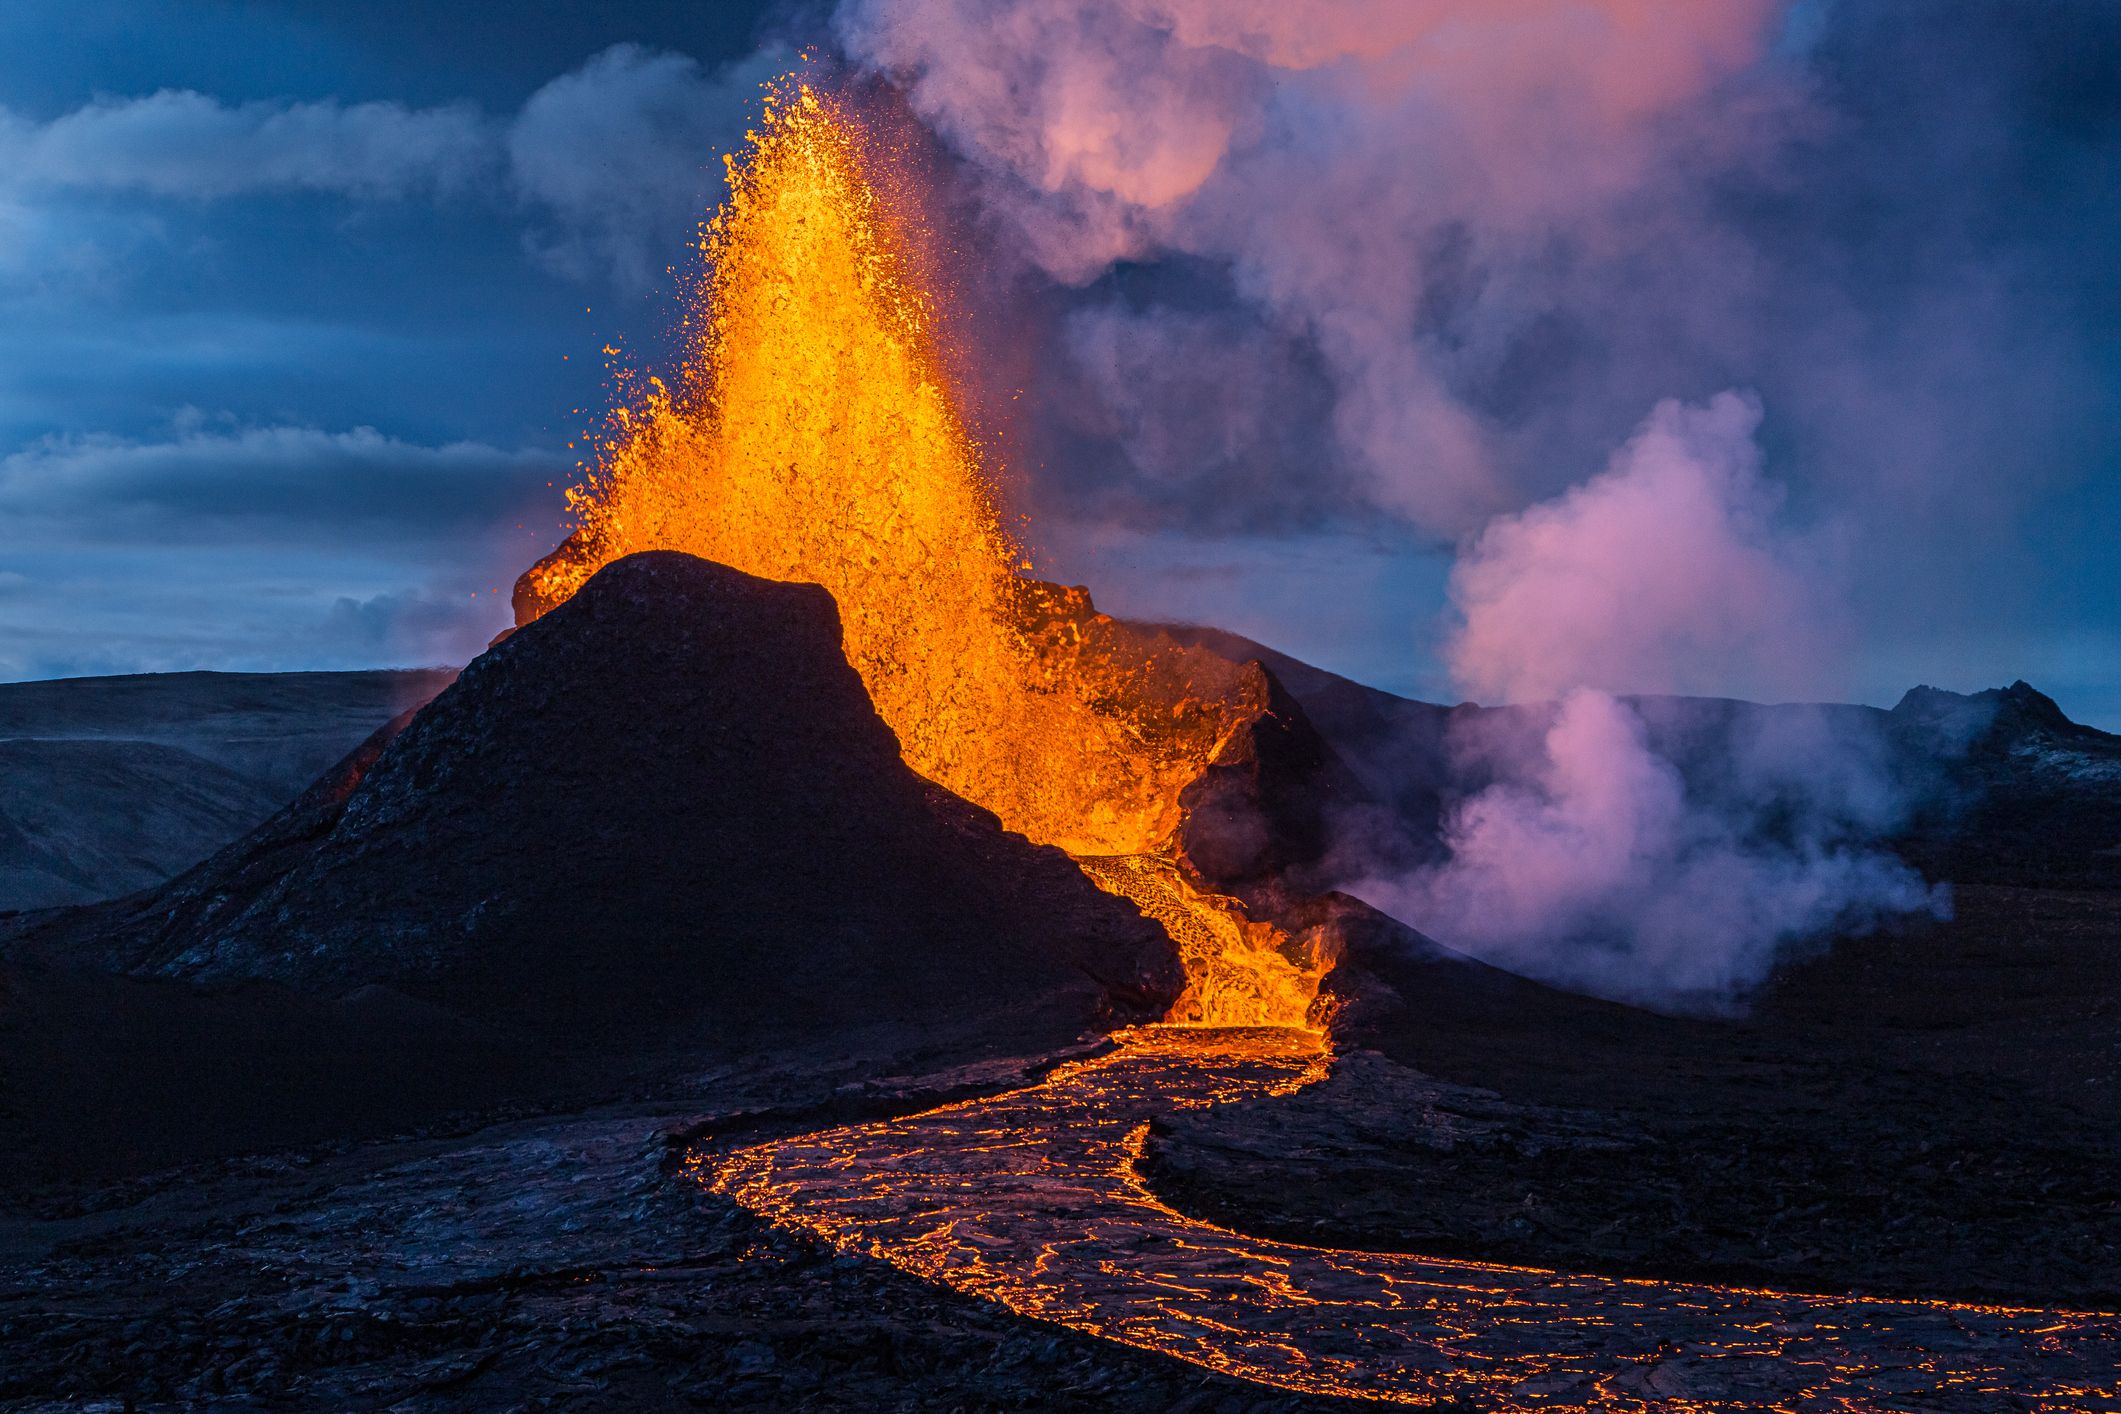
(1033, 1199)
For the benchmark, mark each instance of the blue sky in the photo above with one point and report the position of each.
(292, 339)
(300, 305)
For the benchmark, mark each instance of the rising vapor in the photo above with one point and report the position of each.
(1589, 858)
(1339, 159)
(1433, 198)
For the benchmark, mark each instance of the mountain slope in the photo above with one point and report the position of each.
(112, 784)
(83, 819)
(1997, 786)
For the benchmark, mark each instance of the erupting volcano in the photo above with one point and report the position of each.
(1464, 927)
(813, 435)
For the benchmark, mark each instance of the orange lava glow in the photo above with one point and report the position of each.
(1239, 971)
(814, 435)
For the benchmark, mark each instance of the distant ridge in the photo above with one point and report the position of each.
(111, 784)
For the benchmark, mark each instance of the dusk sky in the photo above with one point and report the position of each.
(301, 305)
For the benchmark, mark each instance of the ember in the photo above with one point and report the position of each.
(813, 435)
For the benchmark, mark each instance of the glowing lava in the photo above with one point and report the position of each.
(1035, 1200)
(813, 436)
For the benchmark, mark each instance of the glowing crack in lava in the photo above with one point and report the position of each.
(813, 435)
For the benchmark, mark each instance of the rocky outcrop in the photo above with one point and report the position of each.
(2019, 793)
(1263, 810)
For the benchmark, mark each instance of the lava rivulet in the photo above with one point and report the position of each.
(814, 435)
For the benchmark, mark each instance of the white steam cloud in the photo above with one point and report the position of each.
(1669, 572)
(1590, 859)
(1591, 866)
(1487, 223)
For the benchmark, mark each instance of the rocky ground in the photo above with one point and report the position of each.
(416, 974)
(556, 1262)
(113, 784)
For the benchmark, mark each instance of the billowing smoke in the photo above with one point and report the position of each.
(1337, 158)
(1436, 258)
(1671, 571)
(1667, 850)
(1593, 864)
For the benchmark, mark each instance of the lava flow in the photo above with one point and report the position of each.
(1034, 1200)
(813, 435)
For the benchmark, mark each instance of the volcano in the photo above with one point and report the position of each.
(720, 993)
(666, 807)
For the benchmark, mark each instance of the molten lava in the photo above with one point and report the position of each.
(813, 435)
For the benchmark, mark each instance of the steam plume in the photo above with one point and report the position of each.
(1494, 234)
(1666, 573)
(1591, 860)
(1591, 867)
(1464, 246)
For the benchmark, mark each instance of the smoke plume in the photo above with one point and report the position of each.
(1593, 865)
(1671, 867)
(1668, 572)
(1463, 247)
(1335, 159)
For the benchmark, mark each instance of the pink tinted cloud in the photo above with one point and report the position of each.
(1668, 572)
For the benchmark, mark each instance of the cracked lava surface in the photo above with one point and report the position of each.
(1032, 1199)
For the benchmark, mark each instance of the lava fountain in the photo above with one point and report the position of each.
(813, 434)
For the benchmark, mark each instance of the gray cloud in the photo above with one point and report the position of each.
(225, 546)
(148, 614)
(1593, 863)
(617, 161)
(415, 626)
(178, 143)
(623, 156)
(268, 483)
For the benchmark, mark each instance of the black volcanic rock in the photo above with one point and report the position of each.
(2026, 796)
(1264, 807)
(2000, 719)
(666, 804)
